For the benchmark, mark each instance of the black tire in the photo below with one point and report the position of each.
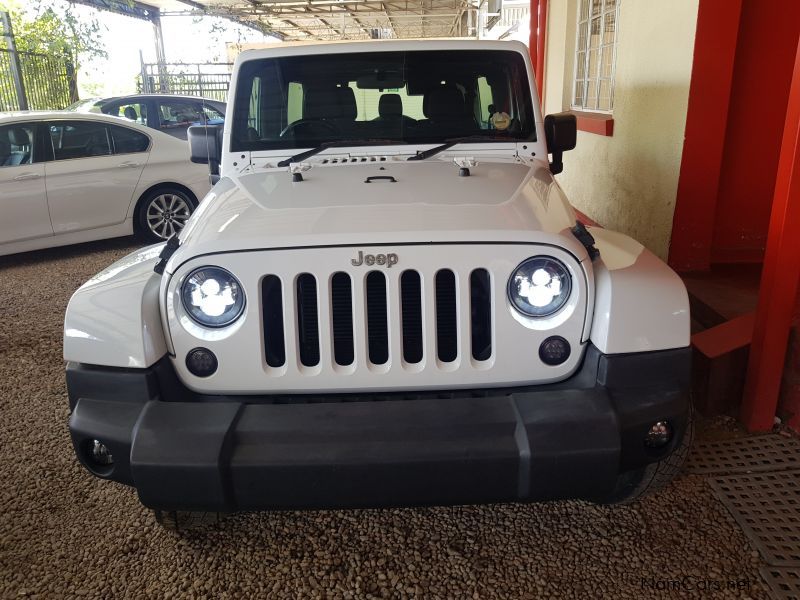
(182, 520)
(633, 485)
(172, 205)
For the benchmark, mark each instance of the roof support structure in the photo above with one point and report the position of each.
(134, 9)
(312, 19)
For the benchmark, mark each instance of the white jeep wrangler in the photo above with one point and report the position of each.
(385, 300)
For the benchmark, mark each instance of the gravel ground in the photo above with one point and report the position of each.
(64, 533)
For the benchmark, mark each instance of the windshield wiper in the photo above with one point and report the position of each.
(342, 143)
(449, 143)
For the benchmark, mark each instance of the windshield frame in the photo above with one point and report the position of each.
(516, 76)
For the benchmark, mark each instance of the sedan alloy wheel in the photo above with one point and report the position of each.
(166, 214)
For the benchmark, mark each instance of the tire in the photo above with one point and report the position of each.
(181, 521)
(633, 485)
(162, 213)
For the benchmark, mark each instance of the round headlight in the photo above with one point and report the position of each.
(539, 286)
(212, 297)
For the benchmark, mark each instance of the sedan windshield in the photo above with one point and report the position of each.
(426, 96)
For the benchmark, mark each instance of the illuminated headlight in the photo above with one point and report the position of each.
(212, 297)
(539, 287)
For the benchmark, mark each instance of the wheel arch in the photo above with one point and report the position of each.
(640, 303)
(114, 319)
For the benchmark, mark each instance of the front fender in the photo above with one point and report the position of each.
(640, 303)
(113, 319)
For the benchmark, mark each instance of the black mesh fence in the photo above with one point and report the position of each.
(46, 79)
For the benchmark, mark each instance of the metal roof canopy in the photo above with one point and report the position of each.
(300, 20)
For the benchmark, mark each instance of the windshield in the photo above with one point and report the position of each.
(424, 96)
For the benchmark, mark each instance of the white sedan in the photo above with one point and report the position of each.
(67, 178)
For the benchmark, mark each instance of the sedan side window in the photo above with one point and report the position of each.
(213, 116)
(16, 145)
(79, 139)
(179, 115)
(134, 111)
(127, 141)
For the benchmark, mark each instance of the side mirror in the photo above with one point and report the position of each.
(205, 144)
(561, 134)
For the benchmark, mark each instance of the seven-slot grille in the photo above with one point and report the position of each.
(336, 297)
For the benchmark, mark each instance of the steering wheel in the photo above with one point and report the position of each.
(309, 123)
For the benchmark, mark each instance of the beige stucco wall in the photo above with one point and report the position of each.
(628, 182)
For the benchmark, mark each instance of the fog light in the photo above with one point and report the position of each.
(659, 435)
(201, 362)
(100, 454)
(554, 350)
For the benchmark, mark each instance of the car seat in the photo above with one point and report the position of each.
(447, 112)
(5, 150)
(130, 113)
(335, 105)
(391, 119)
(19, 137)
(97, 145)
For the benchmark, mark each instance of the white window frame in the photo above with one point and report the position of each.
(586, 79)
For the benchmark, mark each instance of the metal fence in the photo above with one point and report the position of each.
(209, 80)
(47, 81)
(29, 80)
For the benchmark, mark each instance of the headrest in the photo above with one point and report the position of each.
(19, 136)
(347, 103)
(443, 103)
(330, 103)
(321, 102)
(390, 105)
(130, 113)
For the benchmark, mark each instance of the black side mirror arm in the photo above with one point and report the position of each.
(557, 164)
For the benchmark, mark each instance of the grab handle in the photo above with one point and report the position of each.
(372, 178)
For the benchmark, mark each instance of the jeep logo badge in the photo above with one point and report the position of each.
(375, 259)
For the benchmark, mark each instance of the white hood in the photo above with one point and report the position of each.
(428, 202)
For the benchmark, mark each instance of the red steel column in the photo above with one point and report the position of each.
(541, 40)
(780, 277)
(706, 122)
(536, 44)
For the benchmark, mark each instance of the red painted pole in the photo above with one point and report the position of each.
(533, 41)
(704, 142)
(780, 277)
(541, 40)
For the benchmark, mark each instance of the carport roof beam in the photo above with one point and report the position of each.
(136, 10)
(331, 19)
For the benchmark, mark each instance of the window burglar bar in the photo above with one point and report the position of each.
(595, 55)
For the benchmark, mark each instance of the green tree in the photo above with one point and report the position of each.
(56, 28)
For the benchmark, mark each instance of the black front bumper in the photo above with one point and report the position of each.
(191, 452)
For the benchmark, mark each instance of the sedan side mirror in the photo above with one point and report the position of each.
(561, 134)
(205, 143)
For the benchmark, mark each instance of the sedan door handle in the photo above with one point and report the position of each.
(27, 176)
(128, 165)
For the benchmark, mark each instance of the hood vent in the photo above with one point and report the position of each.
(353, 160)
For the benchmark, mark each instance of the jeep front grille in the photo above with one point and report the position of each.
(271, 293)
(342, 319)
(382, 314)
